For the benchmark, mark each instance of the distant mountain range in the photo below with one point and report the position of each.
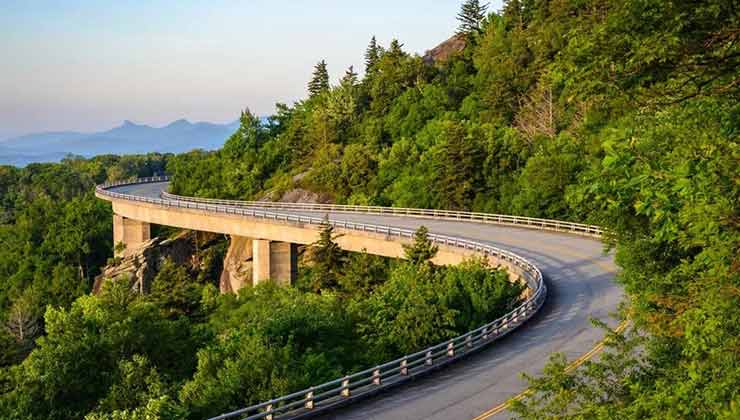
(128, 138)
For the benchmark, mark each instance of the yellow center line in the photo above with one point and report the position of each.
(571, 367)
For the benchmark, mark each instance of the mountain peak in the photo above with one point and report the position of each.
(127, 138)
(445, 50)
(182, 122)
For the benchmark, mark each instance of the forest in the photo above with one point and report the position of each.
(183, 350)
(620, 113)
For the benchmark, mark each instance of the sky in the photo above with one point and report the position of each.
(89, 65)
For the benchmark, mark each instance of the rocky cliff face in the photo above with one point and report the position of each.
(141, 265)
(237, 271)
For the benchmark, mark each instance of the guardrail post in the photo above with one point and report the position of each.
(376, 377)
(345, 387)
(268, 412)
(404, 367)
(450, 349)
(429, 360)
(469, 341)
(309, 399)
(485, 333)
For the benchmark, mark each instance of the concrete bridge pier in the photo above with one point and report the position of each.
(273, 260)
(250, 261)
(130, 232)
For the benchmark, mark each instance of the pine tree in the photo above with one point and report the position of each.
(471, 17)
(518, 13)
(372, 55)
(456, 167)
(422, 250)
(350, 78)
(396, 49)
(328, 259)
(341, 103)
(320, 81)
(512, 12)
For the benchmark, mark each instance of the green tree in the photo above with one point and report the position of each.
(406, 313)
(422, 250)
(358, 166)
(479, 293)
(372, 55)
(77, 362)
(270, 341)
(664, 188)
(395, 50)
(319, 82)
(175, 291)
(327, 259)
(349, 79)
(363, 273)
(471, 16)
(238, 370)
(457, 168)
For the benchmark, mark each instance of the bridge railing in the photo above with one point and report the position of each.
(499, 219)
(361, 384)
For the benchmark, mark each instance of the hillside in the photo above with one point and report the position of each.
(619, 113)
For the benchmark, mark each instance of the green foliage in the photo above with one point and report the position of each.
(406, 313)
(271, 340)
(327, 260)
(422, 250)
(471, 16)
(363, 273)
(372, 55)
(319, 82)
(175, 292)
(420, 305)
(239, 370)
(478, 293)
(55, 236)
(83, 359)
(620, 113)
(456, 167)
(161, 408)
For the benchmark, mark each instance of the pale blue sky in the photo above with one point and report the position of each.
(88, 65)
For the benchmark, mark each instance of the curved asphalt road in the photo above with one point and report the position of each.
(581, 286)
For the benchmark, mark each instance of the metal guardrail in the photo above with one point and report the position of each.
(342, 390)
(498, 219)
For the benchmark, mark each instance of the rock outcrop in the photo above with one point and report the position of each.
(237, 271)
(445, 50)
(140, 265)
(299, 195)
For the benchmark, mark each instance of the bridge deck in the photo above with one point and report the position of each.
(581, 286)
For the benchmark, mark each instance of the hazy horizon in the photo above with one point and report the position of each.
(122, 123)
(83, 66)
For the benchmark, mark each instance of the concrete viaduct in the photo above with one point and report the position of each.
(562, 261)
